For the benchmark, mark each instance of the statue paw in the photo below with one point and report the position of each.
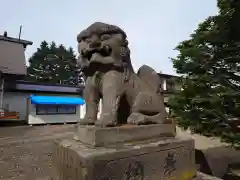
(105, 121)
(138, 119)
(87, 121)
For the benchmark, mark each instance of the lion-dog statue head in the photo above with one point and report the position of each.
(102, 46)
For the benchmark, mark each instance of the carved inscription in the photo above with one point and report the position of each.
(148, 101)
(169, 164)
(134, 171)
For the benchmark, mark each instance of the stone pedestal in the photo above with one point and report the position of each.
(153, 158)
(96, 136)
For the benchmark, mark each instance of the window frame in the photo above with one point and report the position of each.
(55, 106)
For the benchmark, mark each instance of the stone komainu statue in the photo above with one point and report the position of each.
(127, 97)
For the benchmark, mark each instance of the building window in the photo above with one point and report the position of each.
(43, 109)
(170, 85)
(63, 109)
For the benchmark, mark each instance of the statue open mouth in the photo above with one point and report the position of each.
(103, 51)
(99, 59)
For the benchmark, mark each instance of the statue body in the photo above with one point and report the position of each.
(127, 97)
(139, 151)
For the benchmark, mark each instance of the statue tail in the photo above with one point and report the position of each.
(150, 76)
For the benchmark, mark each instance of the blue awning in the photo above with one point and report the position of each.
(56, 100)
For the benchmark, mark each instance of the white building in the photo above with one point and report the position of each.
(17, 98)
(21, 97)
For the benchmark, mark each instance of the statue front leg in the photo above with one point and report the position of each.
(112, 90)
(91, 97)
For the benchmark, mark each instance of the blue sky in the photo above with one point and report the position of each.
(154, 27)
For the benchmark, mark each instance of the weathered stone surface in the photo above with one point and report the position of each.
(128, 97)
(164, 159)
(202, 176)
(26, 152)
(96, 136)
(199, 176)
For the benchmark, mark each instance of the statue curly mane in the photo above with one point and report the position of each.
(100, 28)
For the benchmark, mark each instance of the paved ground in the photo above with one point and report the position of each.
(25, 151)
(217, 154)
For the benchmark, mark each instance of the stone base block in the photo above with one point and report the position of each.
(171, 159)
(97, 136)
(199, 176)
(202, 176)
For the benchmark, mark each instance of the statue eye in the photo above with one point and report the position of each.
(84, 38)
(105, 37)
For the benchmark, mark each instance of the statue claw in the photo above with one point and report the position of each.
(138, 119)
(87, 121)
(105, 121)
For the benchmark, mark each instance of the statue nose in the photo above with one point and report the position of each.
(95, 44)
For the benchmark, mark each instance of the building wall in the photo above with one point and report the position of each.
(168, 85)
(12, 58)
(17, 101)
(33, 118)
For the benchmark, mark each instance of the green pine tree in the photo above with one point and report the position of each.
(54, 64)
(209, 102)
(38, 69)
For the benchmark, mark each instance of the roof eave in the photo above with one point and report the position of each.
(20, 41)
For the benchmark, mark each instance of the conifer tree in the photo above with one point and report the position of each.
(54, 64)
(209, 62)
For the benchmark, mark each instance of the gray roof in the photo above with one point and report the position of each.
(26, 86)
(167, 76)
(15, 40)
(12, 55)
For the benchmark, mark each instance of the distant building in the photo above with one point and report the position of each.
(30, 101)
(168, 85)
(12, 61)
(23, 96)
(167, 82)
(12, 57)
